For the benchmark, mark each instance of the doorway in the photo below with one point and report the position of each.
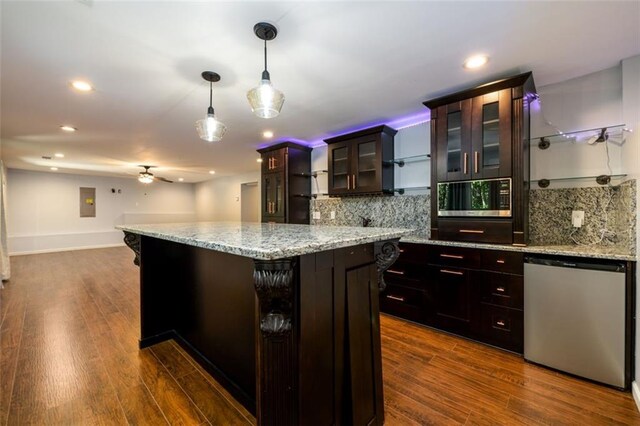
(249, 202)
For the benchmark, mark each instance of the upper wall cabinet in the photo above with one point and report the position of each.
(473, 137)
(359, 163)
(476, 134)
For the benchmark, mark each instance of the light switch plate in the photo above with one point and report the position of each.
(316, 215)
(333, 215)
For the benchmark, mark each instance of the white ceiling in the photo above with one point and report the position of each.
(340, 64)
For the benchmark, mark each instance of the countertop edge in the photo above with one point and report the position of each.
(550, 250)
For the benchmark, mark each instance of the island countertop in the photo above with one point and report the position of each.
(265, 241)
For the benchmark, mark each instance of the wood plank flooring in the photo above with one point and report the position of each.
(69, 328)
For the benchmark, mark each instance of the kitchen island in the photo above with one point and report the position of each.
(284, 316)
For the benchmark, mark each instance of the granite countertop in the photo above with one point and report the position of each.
(594, 251)
(265, 240)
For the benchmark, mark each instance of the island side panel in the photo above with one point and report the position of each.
(204, 299)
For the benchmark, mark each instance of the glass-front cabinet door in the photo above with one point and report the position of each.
(491, 135)
(339, 168)
(365, 176)
(273, 195)
(454, 141)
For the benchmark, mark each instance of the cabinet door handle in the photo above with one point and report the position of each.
(500, 323)
(500, 289)
(475, 162)
(348, 180)
(270, 163)
(471, 231)
(447, 271)
(451, 256)
(399, 299)
(268, 206)
(466, 160)
(274, 162)
(353, 179)
(393, 271)
(500, 261)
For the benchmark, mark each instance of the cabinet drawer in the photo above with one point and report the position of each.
(510, 262)
(502, 289)
(454, 256)
(502, 327)
(479, 231)
(416, 253)
(402, 302)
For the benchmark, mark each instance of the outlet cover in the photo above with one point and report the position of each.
(316, 215)
(577, 218)
(333, 215)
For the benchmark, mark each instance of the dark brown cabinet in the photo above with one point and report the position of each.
(286, 183)
(359, 163)
(475, 293)
(483, 133)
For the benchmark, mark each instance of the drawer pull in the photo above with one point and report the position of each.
(401, 250)
(446, 271)
(393, 271)
(471, 231)
(500, 261)
(399, 299)
(452, 256)
(500, 323)
(500, 289)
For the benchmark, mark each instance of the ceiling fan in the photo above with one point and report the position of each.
(147, 177)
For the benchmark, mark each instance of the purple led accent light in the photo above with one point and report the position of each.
(396, 123)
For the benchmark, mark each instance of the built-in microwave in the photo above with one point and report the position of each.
(484, 197)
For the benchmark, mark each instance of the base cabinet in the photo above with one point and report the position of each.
(475, 293)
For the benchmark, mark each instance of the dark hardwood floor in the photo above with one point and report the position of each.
(69, 355)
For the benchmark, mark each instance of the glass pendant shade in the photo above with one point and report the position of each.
(265, 100)
(210, 129)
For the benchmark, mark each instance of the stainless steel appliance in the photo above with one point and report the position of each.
(574, 317)
(484, 197)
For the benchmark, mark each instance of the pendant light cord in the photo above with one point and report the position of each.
(210, 94)
(265, 54)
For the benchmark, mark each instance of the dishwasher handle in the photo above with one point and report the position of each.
(595, 264)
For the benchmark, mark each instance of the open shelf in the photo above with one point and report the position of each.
(543, 183)
(401, 161)
(612, 134)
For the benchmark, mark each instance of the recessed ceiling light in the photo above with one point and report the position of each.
(180, 179)
(81, 86)
(59, 155)
(68, 128)
(212, 172)
(259, 160)
(267, 134)
(475, 61)
(55, 169)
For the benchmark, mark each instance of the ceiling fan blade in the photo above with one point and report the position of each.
(163, 179)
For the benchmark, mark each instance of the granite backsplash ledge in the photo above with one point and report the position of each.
(609, 216)
(402, 211)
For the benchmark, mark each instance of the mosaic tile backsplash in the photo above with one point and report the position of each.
(608, 209)
(401, 211)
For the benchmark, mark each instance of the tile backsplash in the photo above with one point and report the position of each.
(609, 209)
(402, 211)
(606, 208)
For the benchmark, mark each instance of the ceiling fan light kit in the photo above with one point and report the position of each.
(210, 128)
(265, 100)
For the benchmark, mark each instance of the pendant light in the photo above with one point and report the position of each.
(209, 128)
(265, 100)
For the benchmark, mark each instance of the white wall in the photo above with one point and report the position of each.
(43, 209)
(409, 141)
(219, 198)
(631, 113)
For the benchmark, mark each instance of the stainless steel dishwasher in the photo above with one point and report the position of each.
(574, 317)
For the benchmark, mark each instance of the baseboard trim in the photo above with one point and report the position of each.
(635, 391)
(55, 250)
